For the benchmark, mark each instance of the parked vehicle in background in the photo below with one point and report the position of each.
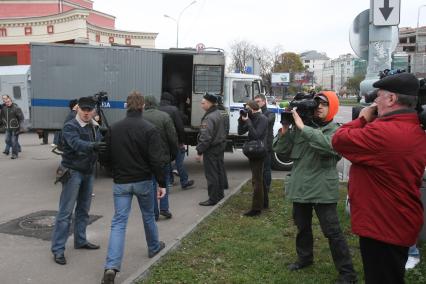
(60, 73)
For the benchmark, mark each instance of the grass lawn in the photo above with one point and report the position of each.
(229, 248)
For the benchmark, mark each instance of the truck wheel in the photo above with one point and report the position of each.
(281, 162)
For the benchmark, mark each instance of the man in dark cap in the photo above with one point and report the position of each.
(386, 146)
(211, 145)
(81, 145)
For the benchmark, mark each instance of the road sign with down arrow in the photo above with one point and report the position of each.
(386, 12)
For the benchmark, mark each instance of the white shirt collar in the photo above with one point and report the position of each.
(83, 124)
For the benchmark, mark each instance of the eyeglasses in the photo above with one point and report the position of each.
(323, 103)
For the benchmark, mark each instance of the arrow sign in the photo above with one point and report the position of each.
(386, 12)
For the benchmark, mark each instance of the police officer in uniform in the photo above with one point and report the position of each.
(225, 118)
(211, 142)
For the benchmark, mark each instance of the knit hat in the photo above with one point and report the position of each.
(333, 103)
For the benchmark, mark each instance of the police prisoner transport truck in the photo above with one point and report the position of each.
(60, 73)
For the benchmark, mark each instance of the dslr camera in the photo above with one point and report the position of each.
(244, 110)
(305, 106)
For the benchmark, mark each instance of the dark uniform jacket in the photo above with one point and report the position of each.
(78, 144)
(212, 131)
(271, 121)
(11, 117)
(176, 117)
(256, 126)
(164, 123)
(136, 150)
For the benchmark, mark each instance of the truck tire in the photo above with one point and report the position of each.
(281, 162)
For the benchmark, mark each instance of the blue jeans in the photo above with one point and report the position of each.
(123, 194)
(78, 189)
(164, 202)
(180, 157)
(413, 251)
(11, 140)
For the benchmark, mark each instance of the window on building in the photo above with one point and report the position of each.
(28, 31)
(111, 39)
(50, 29)
(307, 61)
(98, 38)
(17, 92)
(412, 39)
(348, 63)
(306, 66)
(3, 32)
(128, 41)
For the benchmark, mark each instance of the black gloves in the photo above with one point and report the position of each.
(100, 147)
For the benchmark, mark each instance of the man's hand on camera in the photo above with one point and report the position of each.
(297, 120)
(244, 118)
(161, 191)
(369, 113)
(100, 147)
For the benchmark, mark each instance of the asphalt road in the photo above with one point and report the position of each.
(27, 187)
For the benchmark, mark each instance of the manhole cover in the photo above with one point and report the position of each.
(37, 225)
(37, 222)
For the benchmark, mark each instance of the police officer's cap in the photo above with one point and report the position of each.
(86, 103)
(403, 83)
(210, 97)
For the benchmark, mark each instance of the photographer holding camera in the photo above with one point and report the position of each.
(386, 146)
(314, 183)
(256, 124)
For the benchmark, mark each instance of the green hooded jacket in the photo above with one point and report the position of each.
(314, 177)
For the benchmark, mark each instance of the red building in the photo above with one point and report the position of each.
(60, 21)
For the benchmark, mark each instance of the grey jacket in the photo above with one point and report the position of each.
(212, 131)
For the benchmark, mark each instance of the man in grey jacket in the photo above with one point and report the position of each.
(211, 145)
(11, 117)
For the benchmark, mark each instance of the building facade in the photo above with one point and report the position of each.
(63, 21)
(412, 42)
(314, 63)
(336, 72)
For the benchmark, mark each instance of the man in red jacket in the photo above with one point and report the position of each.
(386, 146)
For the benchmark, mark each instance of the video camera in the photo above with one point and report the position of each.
(305, 106)
(421, 97)
(100, 97)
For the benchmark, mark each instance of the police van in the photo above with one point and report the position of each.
(60, 73)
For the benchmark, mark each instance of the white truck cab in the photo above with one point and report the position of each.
(238, 89)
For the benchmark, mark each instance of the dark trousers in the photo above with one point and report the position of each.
(329, 222)
(223, 171)
(267, 178)
(256, 167)
(212, 170)
(383, 263)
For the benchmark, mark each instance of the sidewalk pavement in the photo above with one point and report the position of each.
(27, 187)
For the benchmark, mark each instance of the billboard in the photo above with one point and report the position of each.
(280, 79)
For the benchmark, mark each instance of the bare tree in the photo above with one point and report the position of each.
(241, 53)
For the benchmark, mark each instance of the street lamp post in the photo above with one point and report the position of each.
(178, 20)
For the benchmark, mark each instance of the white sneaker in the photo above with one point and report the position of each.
(412, 261)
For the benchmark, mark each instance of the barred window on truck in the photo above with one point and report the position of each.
(208, 78)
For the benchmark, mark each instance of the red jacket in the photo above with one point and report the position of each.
(388, 159)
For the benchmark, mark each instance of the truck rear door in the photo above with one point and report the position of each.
(208, 76)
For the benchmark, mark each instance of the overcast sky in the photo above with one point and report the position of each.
(297, 25)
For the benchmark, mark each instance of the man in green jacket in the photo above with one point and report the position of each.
(164, 124)
(314, 183)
